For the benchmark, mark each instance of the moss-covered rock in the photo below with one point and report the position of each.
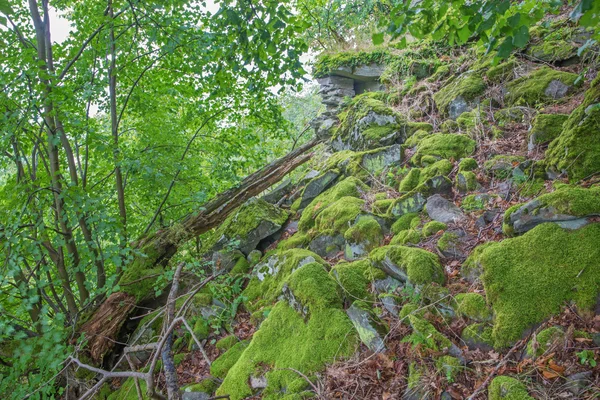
(444, 146)
(449, 367)
(411, 180)
(208, 386)
(225, 361)
(467, 164)
(478, 336)
(474, 202)
(369, 327)
(339, 216)
(527, 279)
(502, 72)
(433, 227)
(404, 222)
(365, 235)
(410, 264)
(415, 200)
(569, 206)
(576, 150)
(349, 60)
(472, 306)
(350, 186)
(367, 123)
(509, 115)
(546, 127)
(415, 138)
(544, 340)
(425, 334)
(466, 181)
(502, 166)
(248, 225)
(227, 342)
(507, 388)
(354, 278)
(459, 95)
(541, 86)
(407, 236)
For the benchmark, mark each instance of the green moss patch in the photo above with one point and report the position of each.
(225, 361)
(507, 388)
(544, 340)
(444, 146)
(531, 89)
(404, 222)
(546, 127)
(472, 306)
(407, 263)
(339, 216)
(527, 279)
(328, 62)
(354, 278)
(468, 86)
(433, 227)
(576, 150)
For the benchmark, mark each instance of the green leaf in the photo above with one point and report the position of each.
(377, 38)
(521, 37)
(505, 48)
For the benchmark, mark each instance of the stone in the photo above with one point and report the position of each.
(415, 200)
(365, 72)
(390, 305)
(442, 210)
(327, 245)
(225, 260)
(195, 396)
(377, 161)
(368, 327)
(317, 186)
(258, 382)
(387, 285)
(577, 383)
(457, 107)
(556, 89)
(281, 190)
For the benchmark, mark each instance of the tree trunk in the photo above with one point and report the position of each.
(103, 326)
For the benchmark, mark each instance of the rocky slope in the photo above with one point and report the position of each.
(448, 237)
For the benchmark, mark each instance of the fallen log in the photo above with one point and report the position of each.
(102, 327)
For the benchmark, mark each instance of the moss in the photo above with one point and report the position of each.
(507, 227)
(502, 71)
(419, 266)
(468, 86)
(407, 236)
(415, 138)
(350, 186)
(449, 367)
(467, 164)
(444, 146)
(441, 167)
(507, 388)
(577, 150)
(544, 340)
(224, 362)
(501, 166)
(414, 376)
(478, 333)
(275, 272)
(425, 334)
(355, 277)
(410, 309)
(381, 206)
(201, 329)
(527, 279)
(286, 340)
(297, 240)
(339, 215)
(414, 127)
(474, 202)
(242, 266)
(469, 121)
(552, 50)
(208, 386)
(314, 288)
(472, 306)
(449, 126)
(447, 240)
(295, 207)
(530, 89)
(327, 62)
(366, 231)
(227, 342)
(381, 196)
(466, 181)
(127, 391)
(433, 227)
(547, 127)
(403, 223)
(410, 181)
(428, 160)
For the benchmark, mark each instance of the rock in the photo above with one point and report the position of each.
(327, 245)
(258, 382)
(254, 221)
(478, 337)
(443, 145)
(364, 72)
(579, 382)
(414, 200)
(288, 296)
(545, 128)
(387, 285)
(390, 305)
(539, 87)
(457, 107)
(460, 95)
(367, 325)
(317, 186)
(442, 210)
(502, 166)
(377, 161)
(568, 207)
(506, 387)
(365, 235)
(281, 190)
(226, 260)
(195, 396)
(408, 264)
(556, 89)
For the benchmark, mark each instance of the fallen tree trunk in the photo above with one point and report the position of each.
(136, 285)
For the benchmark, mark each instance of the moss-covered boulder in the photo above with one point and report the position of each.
(367, 123)
(472, 306)
(289, 339)
(433, 227)
(570, 207)
(444, 146)
(225, 361)
(365, 235)
(529, 278)
(247, 226)
(460, 95)
(576, 151)
(544, 340)
(478, 336)
(408, 264)
(354, 278)
(317, 185)
(349, 187)
(507, 388)
(540, 87)
(418, 176)
(415, 200)
(369, 327)
(545, 128)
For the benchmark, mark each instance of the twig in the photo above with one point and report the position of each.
(167, 356)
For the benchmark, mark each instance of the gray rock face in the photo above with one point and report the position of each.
(317, 186)
(415, 201)
(387, 285)
(534, 213)
(356, 141)
(225, 260)
(440, 209)
(375, 162)
(390, 305)
(370, 72)
(327, 246)
(556, 89)
(458, 106)
(368, 328)
(258, 382)
(288, 296)
(195, 396)
(281, 190)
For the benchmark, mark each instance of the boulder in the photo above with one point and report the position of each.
(460, 95)
(442, 210)
(316, 186)
(369, 328)
(541, 86)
